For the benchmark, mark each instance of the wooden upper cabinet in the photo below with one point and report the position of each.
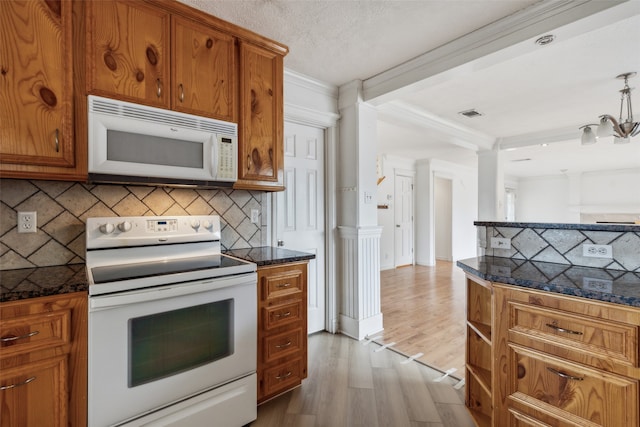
(36, 87)
(260, 148)
(128, 51)
(203, 70)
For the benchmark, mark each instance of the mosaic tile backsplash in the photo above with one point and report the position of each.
(63, 207)
(564, 246)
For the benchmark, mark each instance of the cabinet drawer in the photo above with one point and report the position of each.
(35, 394)
(34, 332)
(570, 391)
(282, 377)
(282, 314)
(585, 334)
(283, 344)
(282, 283)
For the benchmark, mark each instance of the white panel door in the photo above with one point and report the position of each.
(404, 220)
(300, 210)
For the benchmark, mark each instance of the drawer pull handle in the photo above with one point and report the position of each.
(57, 140)
(9, 339)
(158, 88)
(283, 285)
(566, 331)
(282, 377)
(284, 345)
(25, 382)
(563, 375)
(287, 314)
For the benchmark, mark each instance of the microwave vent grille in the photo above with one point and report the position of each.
(155, 115)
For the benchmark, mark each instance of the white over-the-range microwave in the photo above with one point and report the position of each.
(132, 143)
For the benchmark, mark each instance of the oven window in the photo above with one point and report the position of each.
(164, 344)
(154, 150)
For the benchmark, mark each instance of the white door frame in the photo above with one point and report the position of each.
(329, 123)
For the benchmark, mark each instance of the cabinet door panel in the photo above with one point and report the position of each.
(128, 45)
(35, 394)
(203, 73)
(261, 119)
(35, 83)
(571, 391)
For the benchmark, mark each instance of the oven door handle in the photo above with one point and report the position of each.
(101, 302)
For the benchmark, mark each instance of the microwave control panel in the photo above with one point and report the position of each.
(227, 158)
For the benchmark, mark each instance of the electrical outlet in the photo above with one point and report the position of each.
(368, 197)
(255, 216)
(500, 243)
(598, 285)
(27, 222)
(597, 251)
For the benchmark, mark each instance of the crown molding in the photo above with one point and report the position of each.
(506, 32)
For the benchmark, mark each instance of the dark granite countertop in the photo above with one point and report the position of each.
(616, 286)
(61, 279)
(42, 281)
(561, 226)
(269, 255)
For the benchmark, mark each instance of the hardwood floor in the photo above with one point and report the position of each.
(352, 383)
(424, 312)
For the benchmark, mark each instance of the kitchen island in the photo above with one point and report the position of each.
(553, 335)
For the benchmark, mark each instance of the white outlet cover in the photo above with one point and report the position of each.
(598, 285)
(597, 251)
(500, 243)
(27, 222)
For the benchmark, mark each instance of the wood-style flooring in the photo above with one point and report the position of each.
(423, 311)
(352, 383)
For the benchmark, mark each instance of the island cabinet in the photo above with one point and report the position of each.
(261, 144)
(43, 361)
(282, 328)
(141, 52)
(563, 361)
(479, 350)
(36, 91)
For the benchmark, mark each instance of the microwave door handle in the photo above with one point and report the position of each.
(214, 156)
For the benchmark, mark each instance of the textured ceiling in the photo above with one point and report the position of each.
(341, 41)
(522, 90)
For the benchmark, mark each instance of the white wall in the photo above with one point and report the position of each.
(443, 215)
(464, 207)
(564, 199)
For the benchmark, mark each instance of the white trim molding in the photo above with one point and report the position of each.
(360, 312)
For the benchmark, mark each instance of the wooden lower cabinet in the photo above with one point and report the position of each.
(555, 360)
(43, 362)
(282, 328)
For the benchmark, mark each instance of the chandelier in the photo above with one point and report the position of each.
(621, 130)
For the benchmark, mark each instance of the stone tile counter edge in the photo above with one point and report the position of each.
(615, 286)
(36, 282)
(269, 255)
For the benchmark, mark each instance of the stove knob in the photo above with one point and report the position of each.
(107, 228)
(195, 224)
(208, 225)
(124, 226)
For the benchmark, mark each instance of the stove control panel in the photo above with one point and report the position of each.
(111, 232)
(162, 225)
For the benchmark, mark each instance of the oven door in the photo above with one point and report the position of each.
(154, 347)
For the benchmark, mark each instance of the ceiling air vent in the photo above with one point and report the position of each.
(470, 113)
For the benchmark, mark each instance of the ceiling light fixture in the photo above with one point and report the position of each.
(621, 130)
